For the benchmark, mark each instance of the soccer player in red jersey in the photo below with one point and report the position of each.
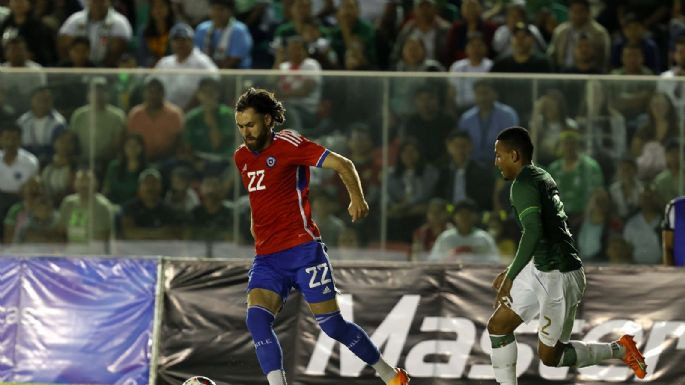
(274, 167)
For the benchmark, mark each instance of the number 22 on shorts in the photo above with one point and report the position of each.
(314, 272)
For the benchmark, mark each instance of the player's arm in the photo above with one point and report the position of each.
(526, 199)
(358, 207)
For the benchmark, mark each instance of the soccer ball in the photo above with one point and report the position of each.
(198, 380)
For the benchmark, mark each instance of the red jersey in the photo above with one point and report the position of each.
(277, 181)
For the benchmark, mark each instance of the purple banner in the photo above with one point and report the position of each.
(76, 321)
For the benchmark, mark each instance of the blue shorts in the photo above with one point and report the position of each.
(304, 267)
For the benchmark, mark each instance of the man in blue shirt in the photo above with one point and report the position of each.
(223, 38)
(673, 233)
(484, 121)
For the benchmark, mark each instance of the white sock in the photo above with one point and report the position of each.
(504, 363)
(385, 371)
(592, 353)
(276, 377)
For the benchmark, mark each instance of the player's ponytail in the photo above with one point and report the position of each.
(263, 102)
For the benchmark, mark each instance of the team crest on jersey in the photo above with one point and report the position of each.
(271, 161)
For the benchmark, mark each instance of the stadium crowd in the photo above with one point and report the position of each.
(140, 157)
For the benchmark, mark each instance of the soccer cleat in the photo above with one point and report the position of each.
(401, 378)
(633, 358)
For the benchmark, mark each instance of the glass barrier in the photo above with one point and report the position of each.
(141, 163)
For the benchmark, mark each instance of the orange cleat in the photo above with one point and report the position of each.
(633, 358)
(401, 378)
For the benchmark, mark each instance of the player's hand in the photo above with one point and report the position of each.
(358, 210)
(498, 280)
(504, 292)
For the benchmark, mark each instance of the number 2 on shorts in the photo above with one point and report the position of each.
(314, 271)
(544, 328)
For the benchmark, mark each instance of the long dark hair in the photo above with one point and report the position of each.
(263, 102)
(420, 164)
(150, 30)
(142, 158)
(649, 130)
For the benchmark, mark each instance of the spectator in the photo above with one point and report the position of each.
(594, 230)
(86, 215)
(352, 30)
(669, 183)
(158, 121)
(23, 22)
(300, 17)
(465, 242)
(485, 120)
(41, 124)
(181, 88)
(437, 222)
(501, 42)
(210, 127)
(108, 30)
(79, 54)
(414, 58)
(148, 217)
(17, 165)
(648, 143)
(549, 119)
(16, 213)
(633, 32)
(223, 38)
(605, 126)
(471, 21)
(319, 46)
(99, 126)
(6, 111)
(576, 174)
(475, 61)
(121, 180)
(642, 229)
(355, 58)
(429, 28)
(502, 228)
(428, 118)
(565, 35)
(324, 208)
(20, 86)
(619, 251)
(4, 12)
(153, 40)
(625, 191)
(301, 93)
(41, 224)
(674, 87)
(523, 57)
(192, 12)
(180, 197)
(462, 178)
(518, 93)
(58, 175)
(632, 60)
(583, 57)
(411, 183)
(213, 219)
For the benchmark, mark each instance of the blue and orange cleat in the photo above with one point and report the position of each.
(633, 358)
(401, 378)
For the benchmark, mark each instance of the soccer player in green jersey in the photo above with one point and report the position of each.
(546, 277)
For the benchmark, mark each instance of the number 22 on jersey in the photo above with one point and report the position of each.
(256, 179)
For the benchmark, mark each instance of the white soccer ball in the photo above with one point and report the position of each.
(198, 380)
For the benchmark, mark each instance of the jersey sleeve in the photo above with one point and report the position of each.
(526, 201)
(308, 153)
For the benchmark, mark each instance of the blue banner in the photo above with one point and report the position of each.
(76, 321)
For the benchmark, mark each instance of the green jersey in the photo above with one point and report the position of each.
(540, 214)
